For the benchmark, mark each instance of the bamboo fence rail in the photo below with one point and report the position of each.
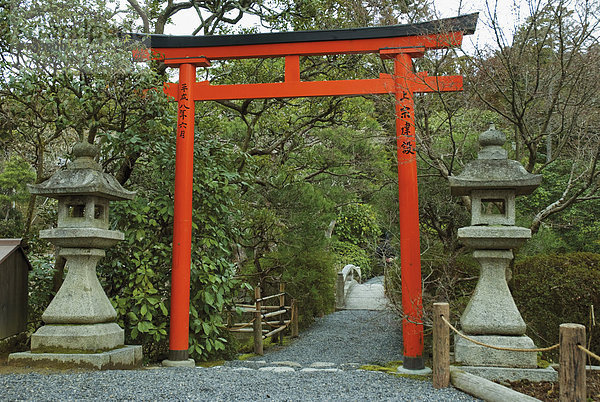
(262, 328)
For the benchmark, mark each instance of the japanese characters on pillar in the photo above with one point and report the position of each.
(182, 226)
(404, 120)
(410, 256)
(183, 110)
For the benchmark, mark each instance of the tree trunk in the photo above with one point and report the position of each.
(59, 271)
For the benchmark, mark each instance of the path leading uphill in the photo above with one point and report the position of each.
(366, 296)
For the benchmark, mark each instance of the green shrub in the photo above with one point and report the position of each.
(310, 279)
(357, 224)
(136, 273)
(357, 233)
(550, 290)
(40, 289)
(545, 241)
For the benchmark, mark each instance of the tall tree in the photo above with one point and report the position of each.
(66, 76)
(544, 84)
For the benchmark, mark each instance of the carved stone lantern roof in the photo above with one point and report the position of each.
(84, 177)
(493, 170)
(83, 191)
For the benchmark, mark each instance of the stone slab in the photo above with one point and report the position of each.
(493, 237)
(127, 357)
(512, 374)
(288, 364)
(179, 363)
(424, 371)
(278, 369)
(350, 366)
(77, 337)
(471, 354)
(323, 365)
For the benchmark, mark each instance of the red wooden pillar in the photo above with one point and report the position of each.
(410, 247)
(182, 227)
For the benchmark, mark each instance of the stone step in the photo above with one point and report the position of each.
(289, 366)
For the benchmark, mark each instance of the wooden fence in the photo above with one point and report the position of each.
(271, 315)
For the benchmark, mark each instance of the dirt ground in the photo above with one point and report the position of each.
(548, 391)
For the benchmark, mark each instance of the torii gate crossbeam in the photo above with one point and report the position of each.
(401, 43)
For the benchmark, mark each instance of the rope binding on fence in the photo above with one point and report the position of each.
(244, 325)
(589, 353)
(496, 347)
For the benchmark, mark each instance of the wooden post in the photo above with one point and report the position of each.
(339, 291)
(294, 318)
(281, 307)
(571, 372)
(258, 340)
(441, 346)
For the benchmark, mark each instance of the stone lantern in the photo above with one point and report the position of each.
(492, 181)
(80, 327)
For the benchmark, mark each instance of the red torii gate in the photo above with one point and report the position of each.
(401, 43)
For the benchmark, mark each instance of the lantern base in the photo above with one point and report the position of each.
(471, 354)
(512, 374)
(77, 338)
(125, 357)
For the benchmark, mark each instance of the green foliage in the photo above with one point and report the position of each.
(136, 273)
(310, 278)
(15, 174)
(350, 253)
(575, 229)
(550, 290)
(288, 242)
(545, 241)
(357, 224)
(357, 232)
(40, 286)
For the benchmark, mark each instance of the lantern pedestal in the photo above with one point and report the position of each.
(470, 354)
(80, 299)
(491, 317)
(492, 310)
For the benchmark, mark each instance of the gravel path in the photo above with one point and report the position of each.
(221, 384)
(347, 336)
(321, 365)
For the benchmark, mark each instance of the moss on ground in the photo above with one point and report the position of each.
(246, 356)
(392, 369)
